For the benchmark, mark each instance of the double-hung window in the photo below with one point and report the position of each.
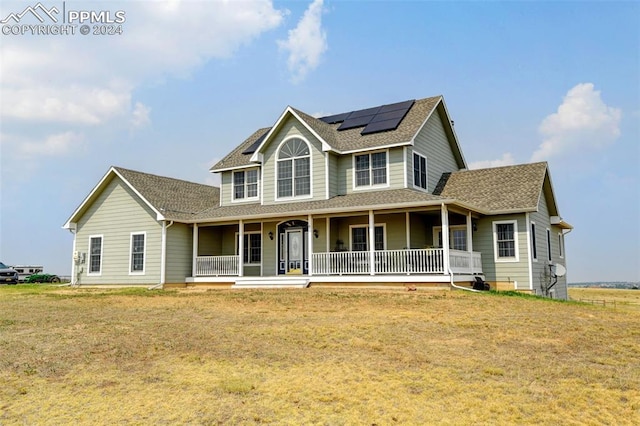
(505, 236)
(137, 253)
(294, 169)
(371, 169)
(245, 184)
(95, 254)
(457, 237)
(252, 248)
(419, 171)
(360, 238)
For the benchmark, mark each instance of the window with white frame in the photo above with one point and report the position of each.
(137, 252)
(419, 171)
(95, 254)
(245, 184)
(457, 237)
(294, 169)
(505, 237)
(560, 244)
(370, 169)
(534, 248)
(360, 237)
(252, 247)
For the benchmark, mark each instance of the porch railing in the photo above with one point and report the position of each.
(341, 263)
(207, 266)
(413, 261)
(465, 262)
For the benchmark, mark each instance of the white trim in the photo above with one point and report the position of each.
(366, 226)
(99, 273)
(73, 260)
(374, 148)
(255, 157)
(530, 251)
(452, 228)
(69, 223)
(293, 171)
(233, 186)
(194, 250)
(237, 243)
(533, 250)
(404, 165)
(371, 184)
(426, 171)
(515, 240)
(561, 245)
(326, 174)
(163, 253)
(144, 253)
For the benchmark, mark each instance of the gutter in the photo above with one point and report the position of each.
(163, 257)
(459, 287)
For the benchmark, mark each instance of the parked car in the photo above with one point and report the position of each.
(8, 275)
(42, 278)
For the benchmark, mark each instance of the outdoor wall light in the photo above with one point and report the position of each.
(315, 233)
(270, 235)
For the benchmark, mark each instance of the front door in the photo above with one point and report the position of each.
(294, 251)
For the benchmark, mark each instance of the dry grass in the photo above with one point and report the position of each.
(607, 297)
(313, 357)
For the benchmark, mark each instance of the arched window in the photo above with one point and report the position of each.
(294, 169)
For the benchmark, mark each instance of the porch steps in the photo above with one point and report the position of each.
(285, 282)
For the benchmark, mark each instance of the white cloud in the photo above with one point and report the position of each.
(583, 121)
(506, 160)
(55, 145)
(140, 115)
(64, 83)
(306, 43)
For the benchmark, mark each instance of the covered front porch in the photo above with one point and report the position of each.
(382, 246)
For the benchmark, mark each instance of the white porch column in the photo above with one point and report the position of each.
(240, 248)
(469, 233)
(444, 213)
(194, 266)
(328, 235)
(407, 229)
(372, 243)
(310, 238)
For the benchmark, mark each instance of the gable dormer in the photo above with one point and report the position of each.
(407, 144)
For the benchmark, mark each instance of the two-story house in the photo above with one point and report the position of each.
(379, 196)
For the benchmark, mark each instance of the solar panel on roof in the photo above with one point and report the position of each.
(381, 126)
(252, 148)
(337, 118)
(351, 123)
(389, 115)
(363, 112)
(398, 105)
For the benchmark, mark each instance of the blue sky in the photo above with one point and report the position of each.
(187, 81)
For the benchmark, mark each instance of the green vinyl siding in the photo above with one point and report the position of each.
(117, 212)
(293, 128)
(432, 142)
(540, 268)
(178, 255)
(503, 271)
(334, 176)
(395, 172)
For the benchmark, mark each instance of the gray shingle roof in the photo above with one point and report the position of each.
(499, 189)
(174, 198)
(344, 140)
(355, 201)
